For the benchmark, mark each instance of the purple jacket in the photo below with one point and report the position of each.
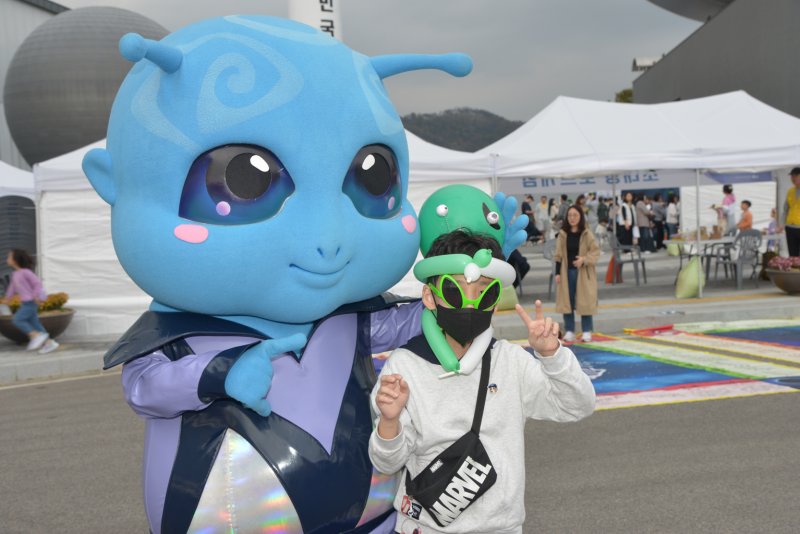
(302, 468)
(25, 284)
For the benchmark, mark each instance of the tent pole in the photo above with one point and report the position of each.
(697, 213)
(494, 173)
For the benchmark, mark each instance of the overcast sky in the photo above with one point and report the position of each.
(526, 52)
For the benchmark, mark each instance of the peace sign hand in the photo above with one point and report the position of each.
(542, 331)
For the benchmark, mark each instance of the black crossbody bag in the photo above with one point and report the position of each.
(461, 473)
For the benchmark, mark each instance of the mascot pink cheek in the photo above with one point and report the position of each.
(191, 233)
(409, 223)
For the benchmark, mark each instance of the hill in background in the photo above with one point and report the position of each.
(460, 129)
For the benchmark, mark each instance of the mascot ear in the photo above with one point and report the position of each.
(97, 167)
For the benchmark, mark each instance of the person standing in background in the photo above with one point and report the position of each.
(553, 213)
(626, 220)
(542, 217)
(527, 209)
(659, 216)
(673, 216)
(643, 216)
(602, 211)
(746, 221)
(791, 214)
(561, 216)
(590, 208)
(726, 212)
(576, 256)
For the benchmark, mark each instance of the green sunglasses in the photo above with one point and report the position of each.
(451, 293)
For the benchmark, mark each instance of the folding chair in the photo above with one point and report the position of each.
(626, 254)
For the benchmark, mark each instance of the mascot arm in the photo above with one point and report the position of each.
(393, 327)
(515, 228)
(249, 377)
(156, 386)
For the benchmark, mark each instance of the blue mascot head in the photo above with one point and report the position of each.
(255, 166)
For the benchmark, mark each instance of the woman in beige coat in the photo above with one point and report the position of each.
(576, 255)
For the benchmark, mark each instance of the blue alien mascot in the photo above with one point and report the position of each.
(257, 174)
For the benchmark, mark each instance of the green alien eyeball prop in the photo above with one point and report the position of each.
(459, 206)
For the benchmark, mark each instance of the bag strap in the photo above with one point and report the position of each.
(486, 363)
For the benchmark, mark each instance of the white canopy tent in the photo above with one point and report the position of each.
(17, 220)
(575, 138)
(77, 255)
(16, 182)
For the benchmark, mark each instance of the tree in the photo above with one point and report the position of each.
(625, 96)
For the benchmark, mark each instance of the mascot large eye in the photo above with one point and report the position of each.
(373, 183)
(235, 184)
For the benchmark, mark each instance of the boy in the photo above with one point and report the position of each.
(746, 221)
(422, 411)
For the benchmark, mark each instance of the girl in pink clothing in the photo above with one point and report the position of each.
(726, 213)
(28, 287)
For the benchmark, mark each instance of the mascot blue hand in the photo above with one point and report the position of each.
(515, 228)
(250, 378)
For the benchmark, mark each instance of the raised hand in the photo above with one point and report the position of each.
(250, 378)
(542, 331)
(391, 399)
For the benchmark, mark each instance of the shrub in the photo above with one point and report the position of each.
(54, 301)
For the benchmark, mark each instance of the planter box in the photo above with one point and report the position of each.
(55, 322)
(788, 281)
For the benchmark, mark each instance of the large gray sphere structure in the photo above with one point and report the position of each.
(700, 10)
(63, 78)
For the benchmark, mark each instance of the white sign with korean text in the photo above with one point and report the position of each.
(634, 180)
(321, 14)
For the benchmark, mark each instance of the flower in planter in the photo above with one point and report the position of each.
(780, 263)
(53, 302)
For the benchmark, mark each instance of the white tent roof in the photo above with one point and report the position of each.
(575, 137)
(15, 182)
(429, 162)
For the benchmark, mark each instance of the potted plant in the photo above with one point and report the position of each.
(785, 273)
(52, 314)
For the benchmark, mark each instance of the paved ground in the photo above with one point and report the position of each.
(71, 456)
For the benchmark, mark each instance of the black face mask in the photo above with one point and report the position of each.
(463, 324)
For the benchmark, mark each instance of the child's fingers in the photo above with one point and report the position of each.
(387, 392)
(537, 330)
(539, 313)
(403, 385)
(524, 316)
(554, 330)
(387, 380)
(385, 398)
(547, 325)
